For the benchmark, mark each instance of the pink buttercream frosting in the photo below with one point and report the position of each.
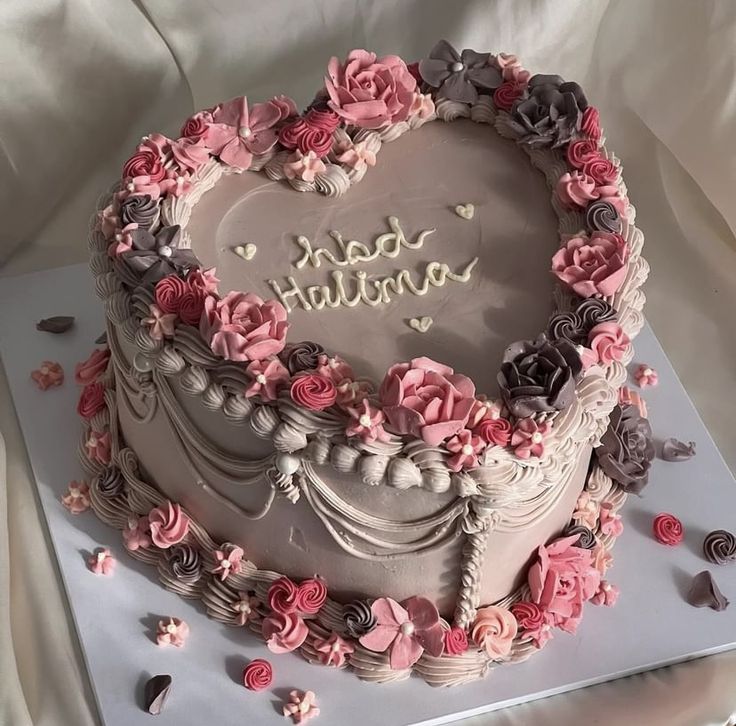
(312, 132)
(465, 447)
(241, 326)
(528, 438)
(494, 630)
(301, 707)
(607, 595)
(266, 377)
(602, 171)
(304, 166)
(426, 399)
(228, 561)
(357, 156)
(284, 632)
(333, 650)
(313, 391)
(136, 534)
(160, 324)
(196, 126)
(91, 369)
(172, 631)
(456, 640)
(591, 123)
(334, 368)
(646, 376)
(168, 525)
(189, 153)
(612, 194)
(257, 675)
(282, 596)
(609, 342)
(534, 623)
(101, 562)
(147, 160)
(311, 595)
(245, 608)
(575, 189)
(667, 529)
(98, 446)
(368, 91)
(366, 422)
(586, 511)
(507, 93)
(562, 579)
(594, 265)
(627, 397)
(407, 629)
(610, 522)
(582, 151)
(495, 431)
(92, 400)
(48, 375)
(76, 499)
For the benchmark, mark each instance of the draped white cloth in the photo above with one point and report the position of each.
(81, 80)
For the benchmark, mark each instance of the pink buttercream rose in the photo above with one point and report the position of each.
(189, 154)
(311, 595)
(257, 675)
(562, 579)
(282, 596)
(136, 534)
(607, 595)
(204, 280)
(237, 132)
(602, 171)
(533, 622)
(195, 127)
(407, 629)
(92, 368)
(575, 189)
(506, 94)
(147, 161)
(594, 265)
(609, 342)
(612, 194)
(168, 525)
(284, 632)
(590, 125)
(313, 391)
(495, 431)
(92, 400)
(456, 641)
(426, 399)
(242, 326)
(169, 292)
(494, 630)
(370, 92)
(98, 446)
(582, 151)
(313, 132)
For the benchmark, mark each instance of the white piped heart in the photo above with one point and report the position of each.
(421, 325)
(466, 211)
(247, 252)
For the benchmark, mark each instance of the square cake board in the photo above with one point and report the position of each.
(115, 617)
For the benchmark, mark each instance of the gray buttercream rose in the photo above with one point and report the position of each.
(626, 450)
(576, 325)
(539, 376)
(359, 618)
(551, 113)
(140, 209)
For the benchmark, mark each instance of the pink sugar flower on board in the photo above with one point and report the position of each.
(98, 446)
(646, 376)
(49, 375)
(333, 651)
(76, 499)
(101, 562)
(301, 706)
(228, 561)
(136, 534)
(607, 595)
(172, 631)
(407, 629)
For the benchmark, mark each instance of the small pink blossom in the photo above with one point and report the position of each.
(122, 240)
(172, 631)
(422, 106)
(107, 221)
(333, 650)
(575, 189)
(49, 375)
(91, 369)
(511, 68)
(646, 376)
(407, 630)
(136, 535)
(160, 324)
(303, 166)
(608, 342)
(366, 421)
(334, 368)
(267, 376)
(610, 522)
(189, 154)
(586, 511)
(98, 446)
(351, 393)
(228, 561)
(455, 640)
(101, 562)
(357, 156)
(140, 185)
(76, 499)
(301, 706)
(607, 595)
(245, 608)
(465, 447)
(528, 437)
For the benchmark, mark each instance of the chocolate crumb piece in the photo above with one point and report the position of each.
(156, 692)
(704, 593)
(102, 338)
(57, 324)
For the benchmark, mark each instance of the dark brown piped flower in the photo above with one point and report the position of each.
(539, 376)
(704, 593)
(626, 450)
(156, 693)
(302, 356)
(577, 324)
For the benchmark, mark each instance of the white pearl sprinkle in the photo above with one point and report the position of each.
(333, 362)
(335, 647)
(45, 370)
(244, 132)
(647, 371)
(165, 251)
(101, 556)
(606, 588)
(457, 67)
(131, 187)
(494, 413)
(118, 237)
(365, 420)
(92, 441)
(407, 628)
(260, 378)
(225, 564)
(467, 450)
(171, 628)
(537, 437)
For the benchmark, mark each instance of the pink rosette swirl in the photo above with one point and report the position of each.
(582, 151)
(667, 529)
(242, 326)
(528, 615)
(92, 400)
(257, 675)
(168, 293)
(426, 399)
(311, 595)
(195, 127)
(505, 95)
(602, 171)
(282, 596)
(495, 431)
(284, 632)
(313, 391)
(594, 265)
(494, 630)
(191, 305)
(609, 342)
(575, 189)
(370, 92)
(168, 524)
(314, 132)
(146, 161)
(456, 641)
(590, 124)
(92, 368)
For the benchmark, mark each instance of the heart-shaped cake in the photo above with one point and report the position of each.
(363, 358)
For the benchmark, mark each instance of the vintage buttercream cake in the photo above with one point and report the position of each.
(361, 393)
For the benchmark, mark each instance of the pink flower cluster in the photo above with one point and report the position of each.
(185, 298)
(515, 81)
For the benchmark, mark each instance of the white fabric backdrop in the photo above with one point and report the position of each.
(82, 80)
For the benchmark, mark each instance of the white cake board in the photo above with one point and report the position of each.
(651, 626)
